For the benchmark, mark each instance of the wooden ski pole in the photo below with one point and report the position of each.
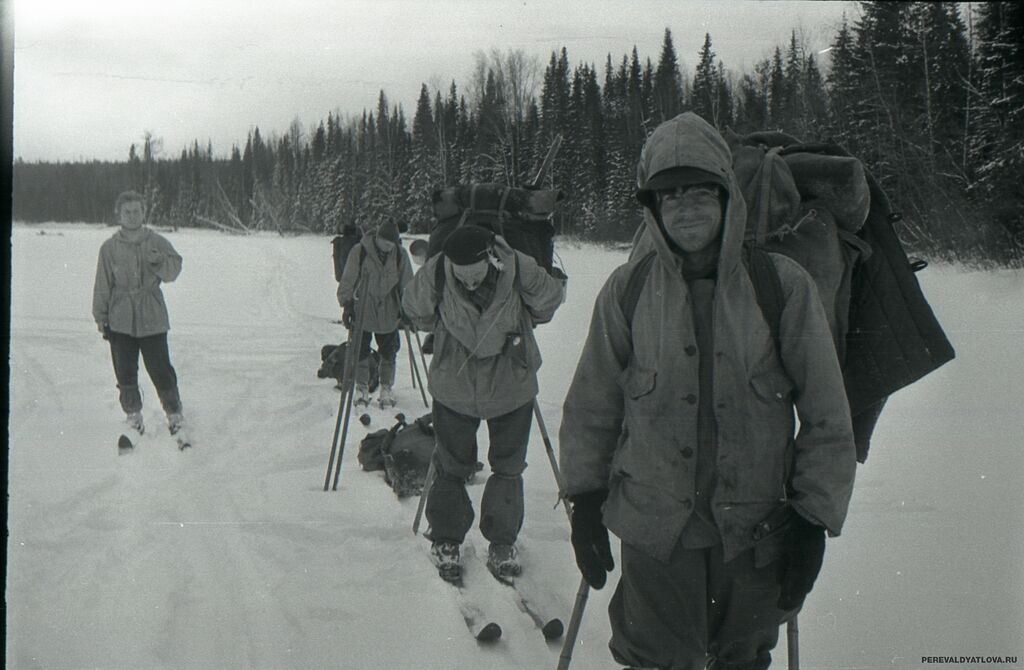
(416, 370)
(565, 658)
(412, 361)
(345, 401)
(793, 644)
(427, 482)
(583, 592)
(356, 345)
(419, 347)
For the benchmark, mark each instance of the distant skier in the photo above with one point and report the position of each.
(678, 430)
(382, 263)
(480, 298)
(129, 309)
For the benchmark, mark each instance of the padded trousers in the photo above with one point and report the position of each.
(695, 608)
(449, 510)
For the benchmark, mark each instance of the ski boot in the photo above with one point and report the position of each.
(136, 423)
(176, 426)
(503, 561)
(130, 438)
(362, 397)
(446, 557)
(387, 397)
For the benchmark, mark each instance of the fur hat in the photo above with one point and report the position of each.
(468, 244)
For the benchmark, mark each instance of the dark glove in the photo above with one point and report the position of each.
(348, 314)
(805, 549)
(590, 537)
(104, 330)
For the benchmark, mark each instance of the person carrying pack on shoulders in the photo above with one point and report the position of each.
(678, 430)
(379, 260)
(481, 299)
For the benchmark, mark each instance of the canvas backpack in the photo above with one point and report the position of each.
(521, 216)
(403, 452)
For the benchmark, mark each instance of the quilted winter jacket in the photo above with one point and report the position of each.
(126, 294)
(385, 281)
(484, 364)
(630, 418)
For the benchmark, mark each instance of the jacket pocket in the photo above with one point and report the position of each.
(772, 386)
(637, 382)
(515, 350)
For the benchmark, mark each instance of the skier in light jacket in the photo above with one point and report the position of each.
(381, 263)
(678, 429)
(129, 309)
(481, 299)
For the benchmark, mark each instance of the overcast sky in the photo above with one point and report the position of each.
(92, 77)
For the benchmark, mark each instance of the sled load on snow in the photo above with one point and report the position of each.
(818, 205)
(332, 364)
(403, 452)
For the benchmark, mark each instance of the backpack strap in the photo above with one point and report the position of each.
(634, 285)
(768, 289)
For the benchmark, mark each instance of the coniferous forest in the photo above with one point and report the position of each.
(929, 97)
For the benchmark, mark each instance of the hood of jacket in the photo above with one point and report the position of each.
(688, 141)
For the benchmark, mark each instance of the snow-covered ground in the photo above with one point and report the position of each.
(232, 556)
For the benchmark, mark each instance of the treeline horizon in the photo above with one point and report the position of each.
(931, 100)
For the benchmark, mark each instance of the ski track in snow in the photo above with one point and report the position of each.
(230, 555)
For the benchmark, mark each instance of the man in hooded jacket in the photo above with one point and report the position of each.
(129, 309)
(678, 429)
(381, 263)
(484, 367)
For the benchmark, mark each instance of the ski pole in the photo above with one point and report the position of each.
(565, 658)
(427, 482)
(416, 370)
(419, 345)
(343, 403)
(358, 341)
(551, 453)
(583, 592)
(793, 644)
(412, 361)
(337, 425)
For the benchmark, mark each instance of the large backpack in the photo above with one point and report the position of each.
(403, 452)
(522, 216)
(818, 205)
(341, 246)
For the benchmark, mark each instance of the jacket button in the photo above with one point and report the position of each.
(687, 452)
(692, 399)
(690, 350)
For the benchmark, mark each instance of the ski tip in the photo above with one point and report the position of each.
(489, 633)
(553, 629)
(124, 444)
